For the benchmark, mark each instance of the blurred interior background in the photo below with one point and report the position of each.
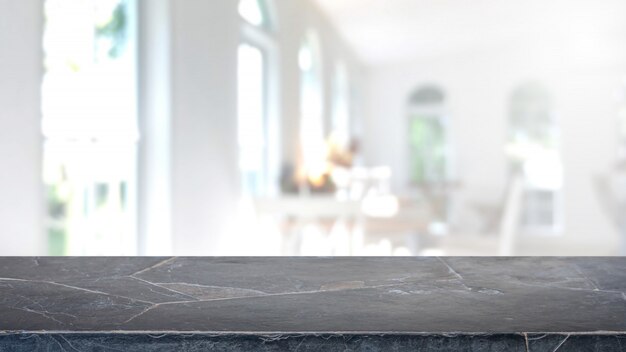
(312, 127)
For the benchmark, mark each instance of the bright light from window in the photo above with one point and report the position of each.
(305, 58)
(89, 126)
(251, 118)
(341, 107)
(252, 11)
(312, 123)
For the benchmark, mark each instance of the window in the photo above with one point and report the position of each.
(255, 12)
(621, 125)
(341, 107)
(311, 108)
(533, 151)
(427, 137)
(251, 122)
(257, 133)
(89, 126)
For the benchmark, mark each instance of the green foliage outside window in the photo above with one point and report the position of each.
(427, 139)
(115, 30)
(57, 204)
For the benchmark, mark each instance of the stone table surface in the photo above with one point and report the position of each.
(313, 304)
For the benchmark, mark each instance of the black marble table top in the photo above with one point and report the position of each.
(313, 304)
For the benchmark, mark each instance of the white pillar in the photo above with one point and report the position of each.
(21, 199)
(205, 178)
(154, 175)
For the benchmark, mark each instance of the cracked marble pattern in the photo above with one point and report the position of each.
(313, 304)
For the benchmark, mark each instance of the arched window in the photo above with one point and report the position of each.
(341, 106)
(311, 107)
(429, 154)
(533, 152)
(256, 98)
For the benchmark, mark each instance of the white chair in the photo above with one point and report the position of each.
(612, 197)
(502, 243)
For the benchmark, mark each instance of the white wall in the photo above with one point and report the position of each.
(478, 85)
(21, 199)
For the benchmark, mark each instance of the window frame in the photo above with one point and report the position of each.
(264, 38)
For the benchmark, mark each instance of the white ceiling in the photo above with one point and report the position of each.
(388, 31)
